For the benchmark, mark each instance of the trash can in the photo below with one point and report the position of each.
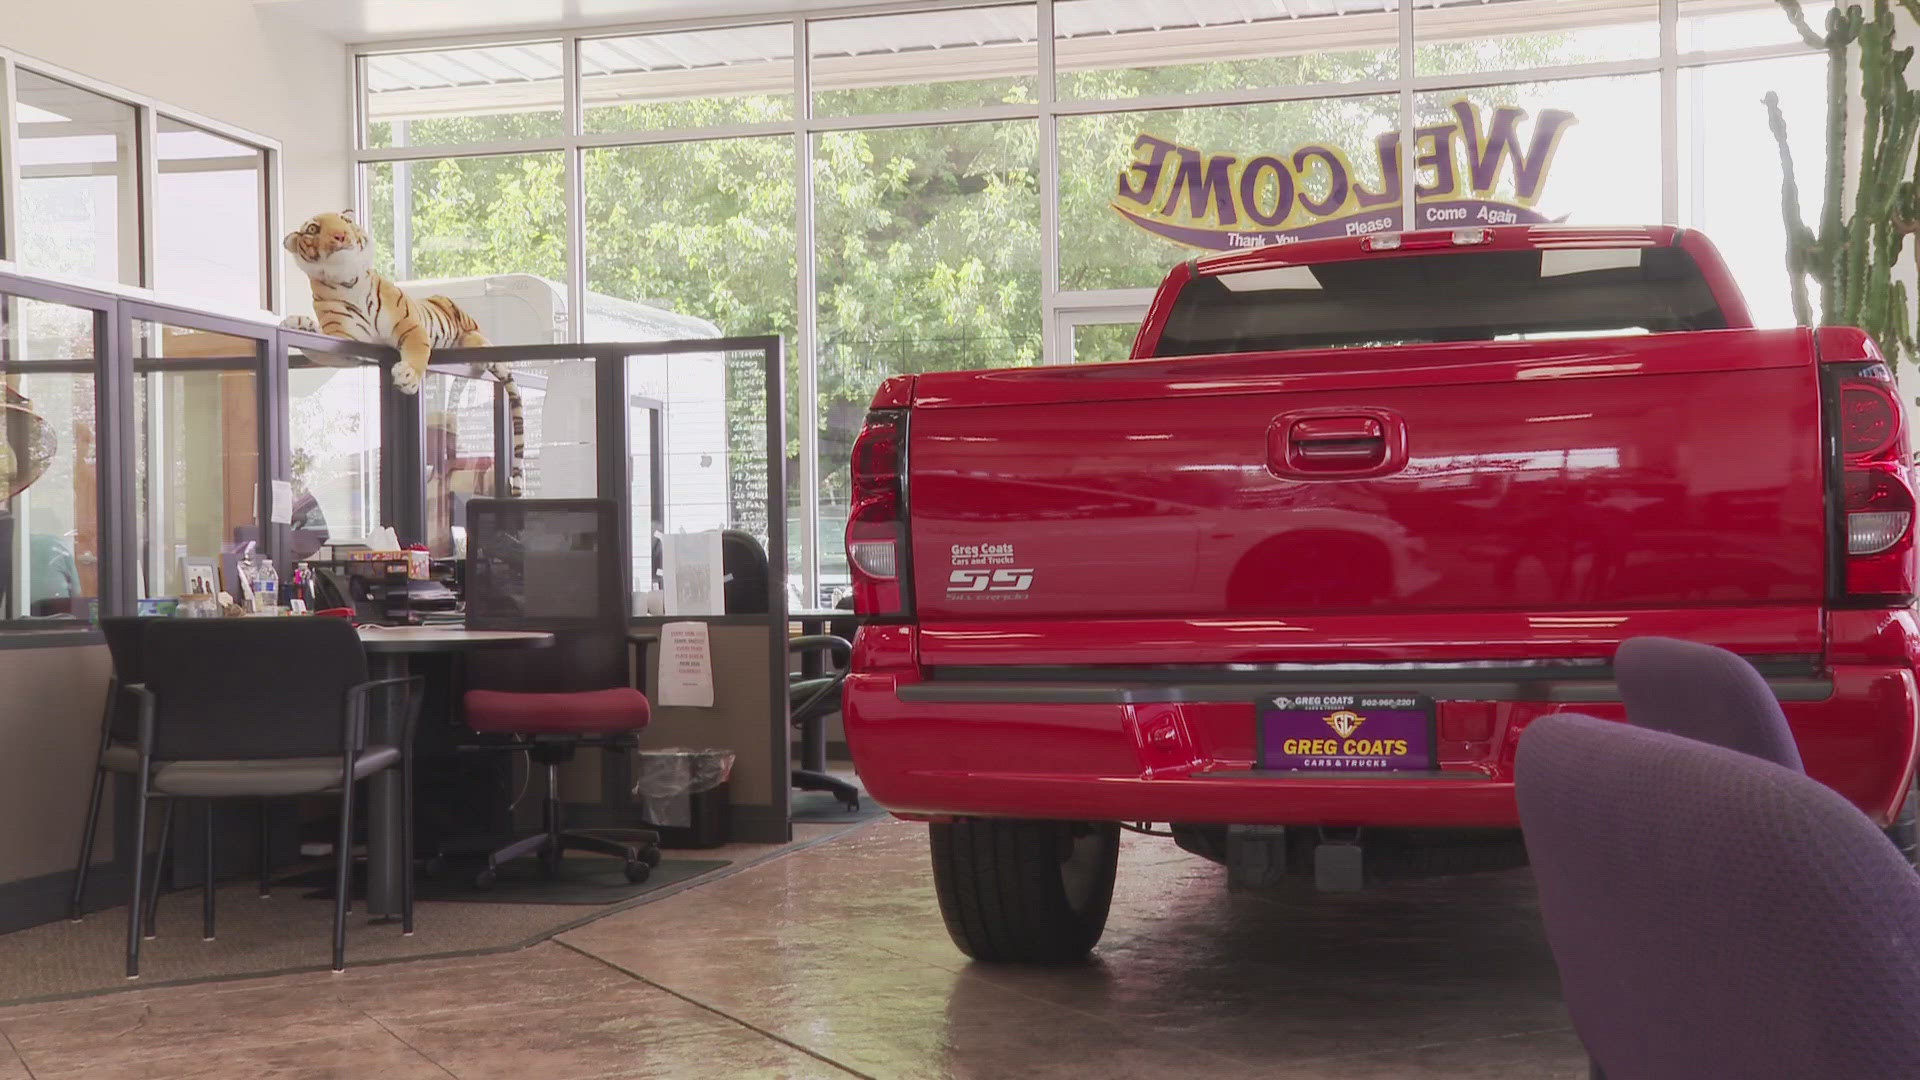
(683, 794)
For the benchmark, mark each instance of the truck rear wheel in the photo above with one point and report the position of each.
(1025, 890)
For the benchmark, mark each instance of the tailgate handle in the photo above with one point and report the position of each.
(1336, 444)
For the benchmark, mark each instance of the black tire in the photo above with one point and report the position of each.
(1024, 891)
(1905, 832)
(638, 871)
(485, 878)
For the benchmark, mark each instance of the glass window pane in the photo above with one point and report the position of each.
(457, 454)
(695, 78)
(1097, 342)
(1469, 36)
(1729, 172)
(1141, 191)
(455, 226)
(208, 220)
(486, 94)
(954, 59)
(709, 253)
(38, 330)
(928, 252)
(197, 449)
(1104, 49)
(1740, 24)
(78, 212)
(334, 429)
(1581, 150)
(49, 519)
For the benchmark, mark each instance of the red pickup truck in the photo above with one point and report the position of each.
(1292, 580)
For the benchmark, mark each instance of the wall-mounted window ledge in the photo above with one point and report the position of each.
(20, 637)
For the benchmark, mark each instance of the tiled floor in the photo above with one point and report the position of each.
(832, 962)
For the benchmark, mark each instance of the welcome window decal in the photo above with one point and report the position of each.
(1220, 202)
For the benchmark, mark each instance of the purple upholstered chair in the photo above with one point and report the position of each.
(1716, 915)
(1703, 693)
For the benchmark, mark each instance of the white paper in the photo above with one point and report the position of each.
(693, 574)
(282, 492)
(686, 665)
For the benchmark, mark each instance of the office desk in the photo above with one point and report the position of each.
(389, 649)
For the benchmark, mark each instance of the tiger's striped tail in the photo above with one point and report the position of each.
(517, 426)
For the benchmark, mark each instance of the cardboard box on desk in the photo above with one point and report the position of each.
(418, 564)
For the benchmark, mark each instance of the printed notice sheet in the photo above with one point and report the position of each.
(686, 665)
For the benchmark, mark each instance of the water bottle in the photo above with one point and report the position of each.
(266, 586)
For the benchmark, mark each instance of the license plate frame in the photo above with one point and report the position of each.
(1283, 719)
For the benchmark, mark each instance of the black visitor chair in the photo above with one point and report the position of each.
(253, 708)
(119, 755)
(811, 698)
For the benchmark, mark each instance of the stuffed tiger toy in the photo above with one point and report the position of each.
(355, 302)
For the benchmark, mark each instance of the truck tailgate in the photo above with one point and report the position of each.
(1295, 506)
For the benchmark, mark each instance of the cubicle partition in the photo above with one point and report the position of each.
(138, 436)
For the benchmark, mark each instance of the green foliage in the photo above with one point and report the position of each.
(1853, 253)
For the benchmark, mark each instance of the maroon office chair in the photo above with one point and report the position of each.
(554, 565)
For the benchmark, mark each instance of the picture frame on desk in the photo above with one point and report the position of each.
(199, 575)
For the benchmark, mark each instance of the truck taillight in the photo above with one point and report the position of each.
(876, 525)
(1874, 478)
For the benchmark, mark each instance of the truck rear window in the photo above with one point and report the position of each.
(1452, 295)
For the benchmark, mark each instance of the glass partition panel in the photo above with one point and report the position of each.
(1463, 37)
(556, 404)
(49, 514)
(1106, 50)
(488, 94)
(457, 455)
(333, 418)
(687, 79)
(954, 58)
(696, 450)
(79, 200)
(196, 451)
(208, 216)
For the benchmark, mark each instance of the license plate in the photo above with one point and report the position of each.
(1357, 733)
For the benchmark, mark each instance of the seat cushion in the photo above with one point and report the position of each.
(580, 712)
(265, 776)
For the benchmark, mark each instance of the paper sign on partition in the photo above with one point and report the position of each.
(692, 573)
(282, 503)
(686, 665)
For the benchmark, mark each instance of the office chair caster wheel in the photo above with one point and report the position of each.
(638, 871)
(651, 856)
(485, 878)
(434, 866)
(852, 803)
